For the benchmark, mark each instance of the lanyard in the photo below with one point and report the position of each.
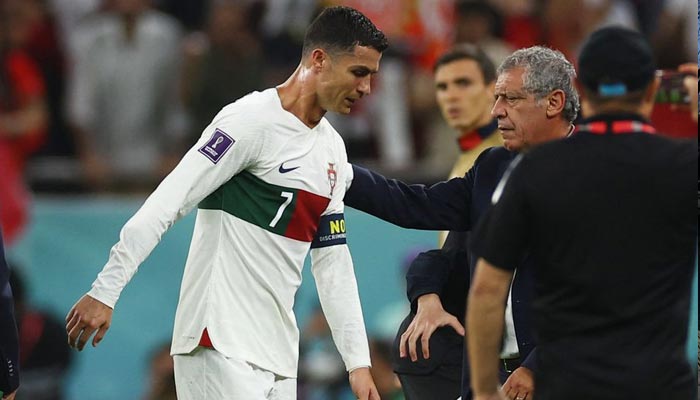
(616, 127)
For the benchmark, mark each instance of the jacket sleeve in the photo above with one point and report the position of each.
(442, 206)
(9, 344)
(427, 273)
(530, 362)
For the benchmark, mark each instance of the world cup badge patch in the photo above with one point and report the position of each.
(217, 146)
(332, 176)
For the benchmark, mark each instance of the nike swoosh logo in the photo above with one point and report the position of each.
(284, 170)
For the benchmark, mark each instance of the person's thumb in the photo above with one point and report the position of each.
(454, 323)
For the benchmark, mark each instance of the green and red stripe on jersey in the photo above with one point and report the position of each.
(290, 212)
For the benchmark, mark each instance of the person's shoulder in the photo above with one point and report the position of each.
(494, 154)
(252, 111)
(682, 150)
(256, 105)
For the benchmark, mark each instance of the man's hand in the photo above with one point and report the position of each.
(520, 385)
(429, 317)
(362, 384)
(86, 317)
(9, 396)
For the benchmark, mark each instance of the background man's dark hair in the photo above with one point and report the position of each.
(340, 29)
(467, 51)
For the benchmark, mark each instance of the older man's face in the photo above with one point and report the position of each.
(522, 119)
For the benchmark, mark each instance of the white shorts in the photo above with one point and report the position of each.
(206, 374)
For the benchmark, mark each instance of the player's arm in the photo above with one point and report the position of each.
(215, 158)
(444, 205)
(9, 344)
(337, 291)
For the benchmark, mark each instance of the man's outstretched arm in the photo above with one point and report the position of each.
(443, 206)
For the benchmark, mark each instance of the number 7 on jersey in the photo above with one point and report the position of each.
(287, 195)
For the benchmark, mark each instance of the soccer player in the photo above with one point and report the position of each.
(268, 177)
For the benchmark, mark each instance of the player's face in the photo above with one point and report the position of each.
(464, 98)
(346, 78)
(521, 118)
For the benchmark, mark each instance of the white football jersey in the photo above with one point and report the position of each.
(268, 188)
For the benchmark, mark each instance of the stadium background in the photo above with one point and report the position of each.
(72, 220)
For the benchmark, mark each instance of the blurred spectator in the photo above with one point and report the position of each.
(161, 380)
(222, 64)
(567, 23)
(123, 96)
(53, 166)
(479, 23)
(69, 14)
(22, 121)
(673, 40)
(191, 14)
(35, 30)
(522, 27)
(43, 347)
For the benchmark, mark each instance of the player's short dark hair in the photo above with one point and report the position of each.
(468, 51)
(340, 29)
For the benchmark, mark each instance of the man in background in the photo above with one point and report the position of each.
(464, 84)
(609, 218)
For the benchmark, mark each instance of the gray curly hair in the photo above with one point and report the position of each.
(545, 70)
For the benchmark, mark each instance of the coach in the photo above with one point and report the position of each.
(610, 219)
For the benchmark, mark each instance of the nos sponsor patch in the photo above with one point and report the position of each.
(217, 146)
(331, 231)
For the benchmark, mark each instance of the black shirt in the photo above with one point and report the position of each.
(610, 220)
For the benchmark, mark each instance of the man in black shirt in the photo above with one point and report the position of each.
(609, 217)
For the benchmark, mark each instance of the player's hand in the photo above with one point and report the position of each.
(520, 385)
(87, 316)
(429, 317)
(9, 396)
(362, 384)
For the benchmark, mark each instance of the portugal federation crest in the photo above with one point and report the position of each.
(332, 176)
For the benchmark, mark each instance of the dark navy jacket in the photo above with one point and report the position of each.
(9, 348)
(454, 205)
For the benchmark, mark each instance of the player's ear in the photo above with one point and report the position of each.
(318, 59)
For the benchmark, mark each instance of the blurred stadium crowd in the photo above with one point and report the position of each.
(104, 96)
